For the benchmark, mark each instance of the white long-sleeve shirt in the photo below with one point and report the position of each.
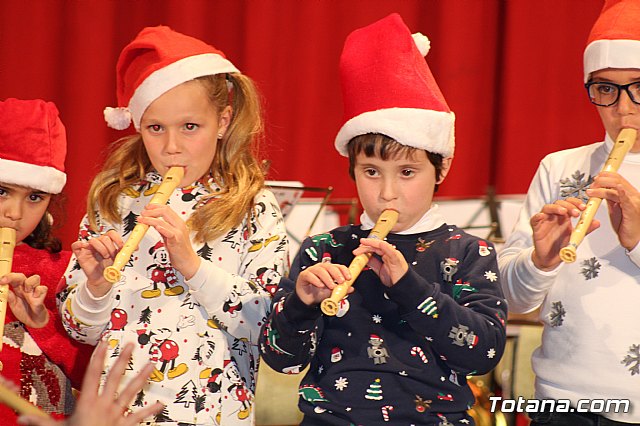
(201, 334)
(589, 308)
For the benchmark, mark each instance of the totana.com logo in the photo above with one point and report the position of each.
(522, 405)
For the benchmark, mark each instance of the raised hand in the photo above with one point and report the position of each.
(175, 235)
(94, 255)
(623, 202)
(389, 264)
(26, 299)
(111, 406)
(552, 229)
(316, 282)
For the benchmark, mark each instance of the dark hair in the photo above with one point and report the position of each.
(384, 147)
(42, 237)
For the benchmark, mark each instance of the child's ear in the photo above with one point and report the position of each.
(446, 165)
(225, 119)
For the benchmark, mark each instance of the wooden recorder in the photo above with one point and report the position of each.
(14, 401)
(7, 244)
(386, 221)
(170, 182)
(625, 140)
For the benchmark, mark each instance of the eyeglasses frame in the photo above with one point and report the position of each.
(620, 88)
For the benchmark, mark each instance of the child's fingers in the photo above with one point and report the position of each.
(339, 273)
(128, 394)
(161, 215)
(40, 292)
(78, 246)
(329, 274)
(162, 226)
(373, 245)
(375, 264)
(104, 246)
(115, 373)
(116, 239)
(31, 283)
(91, 381)
(319, 278)
(11, 298)
(559, 209)
(139, 415)
(31, 420)
(13, 279)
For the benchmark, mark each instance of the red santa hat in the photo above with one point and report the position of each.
(158, 60)
(33, 145)
(387, 88)
(614, 41)
(156, 247)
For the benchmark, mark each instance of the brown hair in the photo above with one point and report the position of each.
(384, 147)
(42, 236)
(234, 168)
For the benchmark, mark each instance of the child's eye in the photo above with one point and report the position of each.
(407, 172)
(154, 128)
(35, 197)
(370, 172)
(2, 191)
(191, 126)
(606, 89)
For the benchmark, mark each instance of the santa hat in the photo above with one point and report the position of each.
(614, 41)
(158, 60)
(33, 145)
(387, 88)
(156, 247)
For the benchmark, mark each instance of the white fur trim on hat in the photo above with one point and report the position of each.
(419, 128)
(41, 178)
(602, 54)
(172, 75)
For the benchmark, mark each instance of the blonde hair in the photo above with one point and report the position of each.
(235, 168)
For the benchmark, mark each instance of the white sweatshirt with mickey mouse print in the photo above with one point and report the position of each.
(201, 334)
(589, 308)
(396, 355)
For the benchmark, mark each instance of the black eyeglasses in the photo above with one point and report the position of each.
(607, 94)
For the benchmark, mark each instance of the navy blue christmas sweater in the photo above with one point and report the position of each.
(396, 355)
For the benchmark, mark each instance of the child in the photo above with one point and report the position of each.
(428, 311)
(37, 354)
(188, 297)
(590, 348)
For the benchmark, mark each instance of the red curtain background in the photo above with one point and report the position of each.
(511, 70)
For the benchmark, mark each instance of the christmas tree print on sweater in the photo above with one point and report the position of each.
(374, 392)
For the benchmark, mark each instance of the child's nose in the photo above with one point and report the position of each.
(12, 210)
(173, 142)
(625, 105)
(389, 189)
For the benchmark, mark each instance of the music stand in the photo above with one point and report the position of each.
(288, 193)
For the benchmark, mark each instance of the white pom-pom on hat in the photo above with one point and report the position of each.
(117, 118)
(422, 42)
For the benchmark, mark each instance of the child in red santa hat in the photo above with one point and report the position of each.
(588, 352)
(192, 108)
(37, 354)
(402, 343)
